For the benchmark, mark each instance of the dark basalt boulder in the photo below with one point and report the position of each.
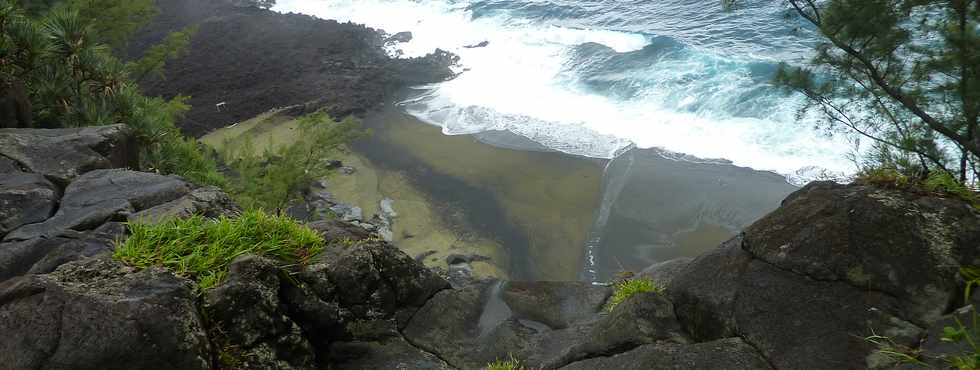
(481, 44)
(208, 201)
(403, 36)
(25, 198)
(101, 314)
(246, 314)
(555, 304)
(8, 166)
(44, 255)
(372, 279)
(663, 273)
(906, 245)
(61, 155)
(392, 353)
(104, 195)
(544, 324)
(833, 265)
(726, 354)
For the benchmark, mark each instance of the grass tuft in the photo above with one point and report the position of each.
(511, 364)
(629, 287)
(201, 249)
(937, 183)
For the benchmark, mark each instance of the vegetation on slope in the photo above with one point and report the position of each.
(269, 178)
(202, 249)
(57, 61)
(55, 65)
(904, 74)
(629, 287)
(510, 364)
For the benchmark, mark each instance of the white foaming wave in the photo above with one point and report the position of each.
(520, 83)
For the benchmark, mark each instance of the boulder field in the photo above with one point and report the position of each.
(800, 288)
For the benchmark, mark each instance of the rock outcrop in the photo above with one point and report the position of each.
(63, 154)
(799, 289)
(236, 59)
(835, 264)
(63, 192)
(100, 314)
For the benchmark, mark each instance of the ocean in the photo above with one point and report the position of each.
(598, 77)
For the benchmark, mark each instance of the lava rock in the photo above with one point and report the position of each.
(664, 272)
(44, 255)
(246, 312)
(481, 44)
(393, 353)
(61, 155)
(25, 198)
(725, 354)
(556, 304)
(100, 314)
(208, 201)
(104, 195)
(835, 263)
(403, 36)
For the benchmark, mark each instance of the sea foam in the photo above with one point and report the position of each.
(597, 92)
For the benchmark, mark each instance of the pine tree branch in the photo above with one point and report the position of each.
(877, 77)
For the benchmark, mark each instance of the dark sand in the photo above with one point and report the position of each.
(539, 205)
(535, 213)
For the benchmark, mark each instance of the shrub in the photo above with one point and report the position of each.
(279, 174)
(201, 249)
(629, 287)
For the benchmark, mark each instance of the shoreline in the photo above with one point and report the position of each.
(523, 212)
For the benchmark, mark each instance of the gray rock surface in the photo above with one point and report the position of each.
(207, 201)
(25, 198)
(544, 324)
(556, 304)
(100, 314)
(403, 36)
(834, 264)
(104, 195)
(664, 272)
(44, 255)
(394, 353)
(726, 354)
(63, 154)
(246, 311)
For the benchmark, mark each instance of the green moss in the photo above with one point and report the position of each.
(201, 249)
(629, 287)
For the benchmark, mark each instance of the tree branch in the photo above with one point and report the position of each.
(894, 92)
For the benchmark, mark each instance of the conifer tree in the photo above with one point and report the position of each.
(903, 73)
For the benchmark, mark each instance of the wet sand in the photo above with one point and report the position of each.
(539, 205)
(534, 213)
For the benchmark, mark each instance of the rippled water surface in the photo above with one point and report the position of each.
(596, 77)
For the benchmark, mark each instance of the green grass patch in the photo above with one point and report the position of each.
(511, 364)
(201, 249)
(937, 182)
(629, 287)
